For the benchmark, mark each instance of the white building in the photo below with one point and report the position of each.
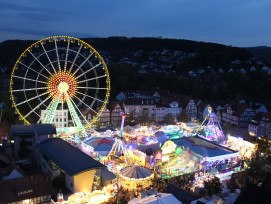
(191, 109)
(60, 118)
(115, 115)
(137, 106)
(172, 108)
(105, 117)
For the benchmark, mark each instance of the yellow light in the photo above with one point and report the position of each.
(63, 86)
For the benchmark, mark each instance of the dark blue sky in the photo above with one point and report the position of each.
(240, 23)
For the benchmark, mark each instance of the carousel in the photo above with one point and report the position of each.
(135, 177)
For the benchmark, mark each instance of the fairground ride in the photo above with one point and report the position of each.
(210, 128)
(118, 147)
(61, 80)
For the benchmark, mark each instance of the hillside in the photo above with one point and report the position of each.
(204, 70)
(261, 51)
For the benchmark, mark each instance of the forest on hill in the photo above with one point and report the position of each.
(204, 70)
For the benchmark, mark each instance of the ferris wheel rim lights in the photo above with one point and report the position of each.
(61, 80)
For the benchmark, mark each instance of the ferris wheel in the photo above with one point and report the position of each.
(61, 80)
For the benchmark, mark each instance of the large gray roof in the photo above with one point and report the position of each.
(67, 157)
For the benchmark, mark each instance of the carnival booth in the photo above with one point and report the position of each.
(135, 177)
(97, 146)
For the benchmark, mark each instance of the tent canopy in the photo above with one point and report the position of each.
(163, 198)
(101, 143)
(135, 172)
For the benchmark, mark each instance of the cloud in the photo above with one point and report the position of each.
(236, 22)
(35, 12)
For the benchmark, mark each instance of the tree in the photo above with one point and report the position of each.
(231, 183)
(256, 169)
(202, 192)
(213, 186)
(183, 117)
(169, 119)
(263, 146)
(143, 117)
(131, 119)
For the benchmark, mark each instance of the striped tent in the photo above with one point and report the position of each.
(135, 172)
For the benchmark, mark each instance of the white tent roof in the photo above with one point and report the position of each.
(165, 198)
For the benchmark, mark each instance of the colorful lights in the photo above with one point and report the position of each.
(54, 74)
(62, 82)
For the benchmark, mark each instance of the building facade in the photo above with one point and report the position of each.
(260, 126)
(240, 116)
(60, 119)
(191, 110)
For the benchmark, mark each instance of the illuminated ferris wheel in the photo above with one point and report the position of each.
(61, 80)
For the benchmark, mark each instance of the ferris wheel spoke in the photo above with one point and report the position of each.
(48, 58)
(49, 115)
(75, 58)
(57, 56)
(90, 97)
(37, 106)
(82, 63)
(62, 121)
(34, 89)
(66, 59)
(94, 78)
(74, 115)
(29, 79)
(40, 120)
(33, 70)
(45, 112)
(73, 122)
(40, 62)
(85, 104)
(88, 70)
(79, 110)
(84, 87)
(30, 99)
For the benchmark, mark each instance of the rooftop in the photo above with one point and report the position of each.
(24, 188)
(180, 194)
(37, 129)
(203, 147)
(67, 157)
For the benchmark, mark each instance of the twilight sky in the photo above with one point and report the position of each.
(241, 23)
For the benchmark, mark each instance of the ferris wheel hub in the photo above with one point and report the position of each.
(63, 87)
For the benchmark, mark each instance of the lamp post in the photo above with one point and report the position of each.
(265, 126)
(266, 136)
(157, 195)
(116, 188)
(116, 192)
(2, 106)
